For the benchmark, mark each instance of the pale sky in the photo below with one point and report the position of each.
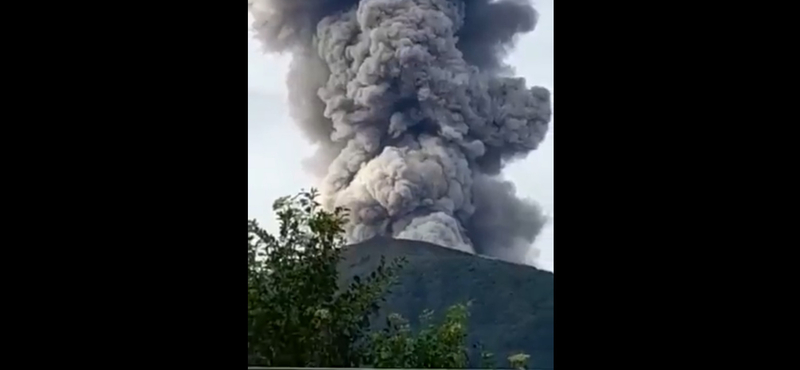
(274, 168)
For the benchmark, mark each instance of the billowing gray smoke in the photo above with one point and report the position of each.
(414, 114)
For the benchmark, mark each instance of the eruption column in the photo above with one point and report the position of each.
(414, 114)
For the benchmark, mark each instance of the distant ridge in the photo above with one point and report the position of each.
(512, 309)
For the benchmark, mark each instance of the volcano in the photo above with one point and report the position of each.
(512, 304)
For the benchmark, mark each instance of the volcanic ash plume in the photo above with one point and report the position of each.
(414, 114)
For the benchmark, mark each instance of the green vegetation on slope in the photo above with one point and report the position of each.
(511, 305)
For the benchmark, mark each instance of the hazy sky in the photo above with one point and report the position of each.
(274, 169)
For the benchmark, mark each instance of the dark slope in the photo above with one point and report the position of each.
(512, 308)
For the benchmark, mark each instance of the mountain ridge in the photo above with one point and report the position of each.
(512, 304)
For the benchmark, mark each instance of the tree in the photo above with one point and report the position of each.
(433, 346)
(297, 313)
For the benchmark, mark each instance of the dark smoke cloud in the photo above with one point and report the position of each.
(413, 113)
(503, 225)
(492, 28)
